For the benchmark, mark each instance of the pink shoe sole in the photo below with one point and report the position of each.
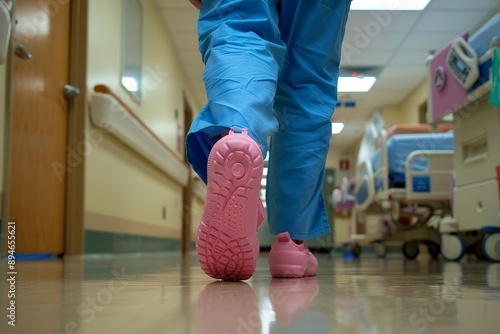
(226, 240)
(288, 259)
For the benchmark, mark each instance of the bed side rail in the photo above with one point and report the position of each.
(365, 186)
(433, 183)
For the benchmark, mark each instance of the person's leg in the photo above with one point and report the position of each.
(241, 47)
(240, 44)
(305, 100)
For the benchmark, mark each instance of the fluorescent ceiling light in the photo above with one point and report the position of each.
(355, 84)
(389, 4)
(337, 128)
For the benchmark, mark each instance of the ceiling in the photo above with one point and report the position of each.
(396, 42)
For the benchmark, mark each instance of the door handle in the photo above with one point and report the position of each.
(21, 51)
(70, 92)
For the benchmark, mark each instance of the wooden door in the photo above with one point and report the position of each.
(39, 125)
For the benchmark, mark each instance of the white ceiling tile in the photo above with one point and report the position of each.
(361, 57)
(452, 21)
(399, 83)
(385, 41)
(409, 58)
(463, 4)
(426, 41)
(401, 71)
(373, 97)
(371, 22)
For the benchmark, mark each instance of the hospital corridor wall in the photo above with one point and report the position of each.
(407, 111)
(130, 204)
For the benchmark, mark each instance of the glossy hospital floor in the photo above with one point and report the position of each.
(157, 294)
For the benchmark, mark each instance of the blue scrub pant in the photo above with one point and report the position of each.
(272, 67)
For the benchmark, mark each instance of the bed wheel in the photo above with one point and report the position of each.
(410, 250)
(491, 246)
(351, 250)
(356, 249)
(379, 249)
(433, 250)
(479, 252)
(452, 247)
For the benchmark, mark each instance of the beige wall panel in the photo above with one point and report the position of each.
(119, 182)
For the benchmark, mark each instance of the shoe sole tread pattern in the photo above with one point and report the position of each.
(223, 240)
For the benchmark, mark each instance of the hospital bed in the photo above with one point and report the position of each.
(472, 102)
(402, 182)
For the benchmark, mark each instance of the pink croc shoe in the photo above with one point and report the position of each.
(226, 240)
(289, 259)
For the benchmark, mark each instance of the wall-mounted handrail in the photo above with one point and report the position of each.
(109, 113)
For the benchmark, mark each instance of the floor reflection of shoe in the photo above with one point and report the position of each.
(289, 259)
(291, 296)
(226, 240)
(227, 307)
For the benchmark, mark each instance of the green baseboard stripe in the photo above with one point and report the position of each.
(97, 242)
(392, 249)
(339, 250)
